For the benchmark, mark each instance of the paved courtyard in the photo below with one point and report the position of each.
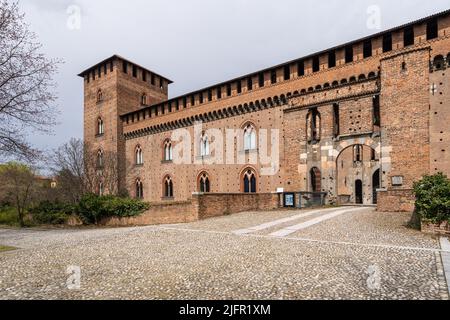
(336, 253)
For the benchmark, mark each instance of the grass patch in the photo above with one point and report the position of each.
(5, 248)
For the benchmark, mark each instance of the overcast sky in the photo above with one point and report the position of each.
(196, 43)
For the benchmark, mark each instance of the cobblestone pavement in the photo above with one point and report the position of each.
(359, 254)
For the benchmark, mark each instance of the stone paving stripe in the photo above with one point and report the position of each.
(282, 221)
(445, 256)
(345, 243)
(292, 229)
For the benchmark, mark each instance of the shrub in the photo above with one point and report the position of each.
(52, 212)
(93, 208)
(433, 198)
(8, 216)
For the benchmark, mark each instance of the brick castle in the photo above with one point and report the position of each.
(360, 122)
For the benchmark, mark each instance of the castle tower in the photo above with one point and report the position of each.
(113, 87)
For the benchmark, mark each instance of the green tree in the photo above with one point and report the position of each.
(18, 187)
(433, 198)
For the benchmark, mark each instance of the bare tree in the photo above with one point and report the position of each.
(79, 169)
(26, 85)
(18, 187)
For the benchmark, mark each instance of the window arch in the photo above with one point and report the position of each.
(139, 189)
(313, 126)
(204, 184)
(100, 159)
(357, 153)
(250, 137)
(100, 126)
(99, 95)
(204, 146)
(168, 150)
(438, 63)
(139, 156)
(248, 181)
(144, 99)
(168, 187)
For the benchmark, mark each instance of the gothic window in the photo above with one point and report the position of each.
(139, 156)
(357, 153)
(204, 183)
(376, 112)
(168, 151)
(144, 99)
(139, 189)
(100, 159)
(336, 130)
(204, 146)
(100, 127)
(168, 187)
(313, 126)
(250, 138)
(249, 181)
(99, 95)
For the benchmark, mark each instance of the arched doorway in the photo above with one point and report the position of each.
(316, 180)
(375, 185)
(359, 192)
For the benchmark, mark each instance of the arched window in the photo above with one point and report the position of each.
(168, 151)
(372, 75)
(100, 127)
(249, 181)
(139, 189)
(439, 63)
(99, 95)
(144, 99)
(204, 146)
(357, 153)
(316, 180)
(204, 183)
(139, 156)
(249, 138)
(168, 187)
(313, 126)
(100, 159)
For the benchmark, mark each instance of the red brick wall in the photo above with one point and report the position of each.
(396, 201)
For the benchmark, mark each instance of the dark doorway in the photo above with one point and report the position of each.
(358, 192)
(375, 185)
(316, 180)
